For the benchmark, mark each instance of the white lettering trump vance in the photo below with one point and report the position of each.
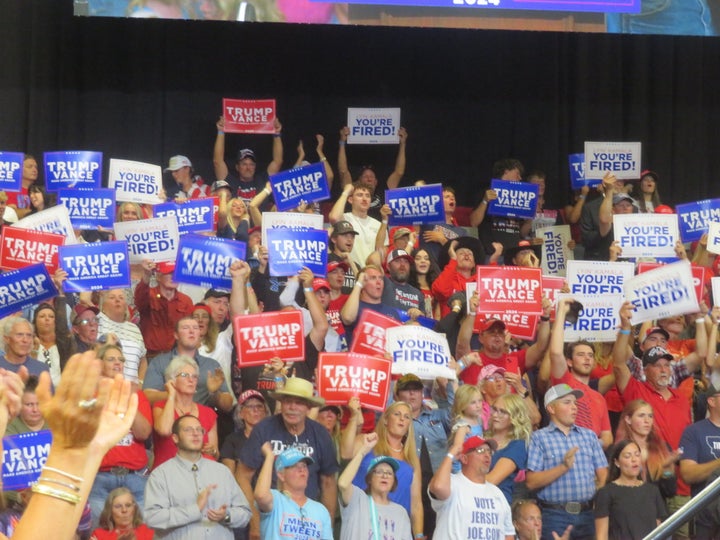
(93, 265)
(187, 215)
(511, 288)
(30, 458)
(359, 378)
(269, 336)
(699, 219)
(203, 263)
(87, 207)
(300, 249)
(299, 185)
(8, 169)
(514, 198)
(30, 250)
(249, 115)
(72, 170)
(420, 205)
(22, 290)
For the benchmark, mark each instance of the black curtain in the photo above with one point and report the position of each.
(148, 89)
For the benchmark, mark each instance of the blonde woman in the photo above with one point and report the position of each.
(510, 427)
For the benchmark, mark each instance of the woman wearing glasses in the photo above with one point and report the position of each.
(511, 429)
(121, 518)
(371, 514)
(396, 439)
(181, 379)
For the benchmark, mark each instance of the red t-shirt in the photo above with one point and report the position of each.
(142, 532)
(671, 416)
(165, 447)
(129, 452)
(592, 409)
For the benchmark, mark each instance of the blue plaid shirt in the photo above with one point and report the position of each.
(547, 448)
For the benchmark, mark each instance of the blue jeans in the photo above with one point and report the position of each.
(105, 482)
(676, 17)
(558, 520)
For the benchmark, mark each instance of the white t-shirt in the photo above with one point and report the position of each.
(367, 229)
(472, 511)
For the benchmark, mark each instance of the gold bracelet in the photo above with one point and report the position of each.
(59, 483)
(56, 493)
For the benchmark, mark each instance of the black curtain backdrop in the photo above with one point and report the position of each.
(149, 89)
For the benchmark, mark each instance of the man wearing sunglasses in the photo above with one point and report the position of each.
(467, 506)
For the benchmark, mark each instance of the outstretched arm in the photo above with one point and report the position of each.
(393, 180)
(219, 165)
(277, 150)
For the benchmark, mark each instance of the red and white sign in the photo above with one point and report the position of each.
(344, 375)
(552, 286)
(369, 334)
(509, 289)
(249, 115)
(260, 337)
(520, 325)
(698, 274)
(23, 247)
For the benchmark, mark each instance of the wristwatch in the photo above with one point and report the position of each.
(226, 519)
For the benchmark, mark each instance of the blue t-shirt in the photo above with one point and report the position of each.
(288, 520)
(33, 366)
(515, 451)
(314, 441)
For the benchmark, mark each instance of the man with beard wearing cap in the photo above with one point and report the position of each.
(681, 368)
(566, 477)
(397, 292)
(467, 506)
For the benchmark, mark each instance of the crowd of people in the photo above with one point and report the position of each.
(158, 430)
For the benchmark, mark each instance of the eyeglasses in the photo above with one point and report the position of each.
(254, 407)
(384, 474)
(199, 430)
(484, 450)
(497, 410)
(86, 322)
(183, 375)
(495, 377)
